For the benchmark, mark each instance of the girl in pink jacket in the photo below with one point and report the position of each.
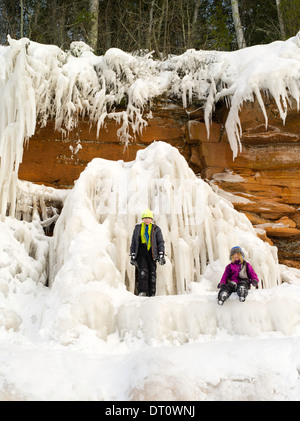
(238, 277)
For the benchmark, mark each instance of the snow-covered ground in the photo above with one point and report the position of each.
(86, 336)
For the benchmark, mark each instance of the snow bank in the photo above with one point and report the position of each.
(40, 82)
(23, 272)
(220, 369)
(186, 319)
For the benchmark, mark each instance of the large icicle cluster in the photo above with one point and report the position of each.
(199, 227)
(39, 82)
(91, 274)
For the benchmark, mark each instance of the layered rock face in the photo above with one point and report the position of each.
(263, 181)
(265, 176)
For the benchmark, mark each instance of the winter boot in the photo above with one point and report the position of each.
(242, 291)
(143, 282)
(225, 292)
(223, 296)
(152, 284)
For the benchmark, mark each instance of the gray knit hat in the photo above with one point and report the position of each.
(236, 249)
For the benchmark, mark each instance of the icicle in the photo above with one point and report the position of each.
(18, 119)
(193, 237)
(39, 82)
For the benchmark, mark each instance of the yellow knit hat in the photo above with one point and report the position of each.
(147, 214)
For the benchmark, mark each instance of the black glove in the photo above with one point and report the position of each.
(161, 259)
(254, 282)
(132, 260)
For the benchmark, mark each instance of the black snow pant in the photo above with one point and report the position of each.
(241, 289)
(145, 271)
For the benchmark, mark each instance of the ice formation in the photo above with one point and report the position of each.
(39, 82)
(91, 276)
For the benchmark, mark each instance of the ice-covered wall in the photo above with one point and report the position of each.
(199, 227)
(41, 82)
(91, 276)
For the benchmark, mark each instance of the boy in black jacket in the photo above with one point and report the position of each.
(147, 246)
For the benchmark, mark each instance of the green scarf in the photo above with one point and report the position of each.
(143, 236)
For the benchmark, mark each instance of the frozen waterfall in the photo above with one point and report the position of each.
(92, 281)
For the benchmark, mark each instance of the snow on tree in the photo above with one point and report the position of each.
(40, 82)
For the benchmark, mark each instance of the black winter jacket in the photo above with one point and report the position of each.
(157, 241)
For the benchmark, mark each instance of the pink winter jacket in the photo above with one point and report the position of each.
(232, 273)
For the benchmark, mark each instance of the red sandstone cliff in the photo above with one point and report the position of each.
(267, 189)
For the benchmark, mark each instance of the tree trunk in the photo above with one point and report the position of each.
(280, 19)
(93, 36)
(166, 28)
(108, 30)
(158, 31)
(194, 29)
(149, 35)
(22, 19)
(237, 24)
